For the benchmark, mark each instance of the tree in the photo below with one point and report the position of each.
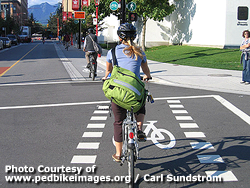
(146, 9)
(152, 9)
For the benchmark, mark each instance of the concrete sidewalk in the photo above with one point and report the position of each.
(194, 77)
(182, 76)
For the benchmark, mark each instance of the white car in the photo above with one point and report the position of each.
(1, 44)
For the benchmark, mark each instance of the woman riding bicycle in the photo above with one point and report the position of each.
(131, 57)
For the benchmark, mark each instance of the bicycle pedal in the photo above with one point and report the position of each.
(142, 139)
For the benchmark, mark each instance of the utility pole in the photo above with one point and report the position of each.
(123, 7)
(79, 37)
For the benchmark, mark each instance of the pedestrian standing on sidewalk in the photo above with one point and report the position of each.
(245, 57)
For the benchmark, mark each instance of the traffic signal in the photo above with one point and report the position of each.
(47, 25)
(132, 17)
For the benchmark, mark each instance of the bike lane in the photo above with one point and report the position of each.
(189, 147)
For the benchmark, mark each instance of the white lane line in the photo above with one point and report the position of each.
(224, 175)
(88, 145)
(96, 125)
(179, 112)
(225, 103)
(52, 105)
(92, 134)
(101, 111)
(183, 118)
(173, 101)
(233, 109)
(188, 125)
(201, 145)
(210, 159)
(98, 118)
(176, 106)
(83, 159)
(194, 134)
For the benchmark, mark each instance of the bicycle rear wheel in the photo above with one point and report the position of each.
(93, 71)
(131, 169)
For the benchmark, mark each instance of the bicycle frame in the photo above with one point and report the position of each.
(130, 141)
(93, 66)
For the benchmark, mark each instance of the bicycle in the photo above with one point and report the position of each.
(67, 46)
(93, 66)
(130, 148)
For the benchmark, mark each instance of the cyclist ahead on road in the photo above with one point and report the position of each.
(88, 47)
(66, 39)
(131, 57)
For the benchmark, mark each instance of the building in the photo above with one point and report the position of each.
(194, 22)
(18, 9)
(69, 7)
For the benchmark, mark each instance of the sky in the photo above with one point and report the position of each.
(38, 2)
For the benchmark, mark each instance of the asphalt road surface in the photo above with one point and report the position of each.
(55, 130)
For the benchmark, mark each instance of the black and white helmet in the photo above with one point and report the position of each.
(126, 31)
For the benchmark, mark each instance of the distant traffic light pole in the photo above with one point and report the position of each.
(123, 7)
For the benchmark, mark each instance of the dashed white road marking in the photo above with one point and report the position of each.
(188, 125)
(179, 112)
(225, 175)
(88, 145)
(96, 125)
(183, 118)
(210, 159)
(92, 134)
(101, 112)
(84, 159)
(99, 118)
(173, 101)
(194, 134)
(176, 106)
(201, 145)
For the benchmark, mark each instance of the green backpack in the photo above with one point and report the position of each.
(124, 88)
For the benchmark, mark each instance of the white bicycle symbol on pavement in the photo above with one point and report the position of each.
(156, 136)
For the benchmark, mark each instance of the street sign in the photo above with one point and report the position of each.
(79, 15)
(113, 5)
(75, 5)
(94, 21)
(131, 6)
(76, 21)
(83, 21)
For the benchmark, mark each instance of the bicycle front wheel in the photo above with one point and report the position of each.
(131, 167)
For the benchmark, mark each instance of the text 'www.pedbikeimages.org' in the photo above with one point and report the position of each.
(62, 174)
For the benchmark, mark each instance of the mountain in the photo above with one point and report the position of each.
(42, 12)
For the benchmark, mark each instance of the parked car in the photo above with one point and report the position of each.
(6, 42)
(13, 39)
(1, 44)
